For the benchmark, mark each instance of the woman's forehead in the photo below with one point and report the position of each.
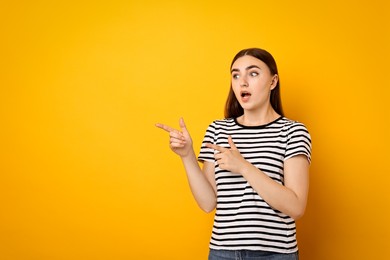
(246, 61)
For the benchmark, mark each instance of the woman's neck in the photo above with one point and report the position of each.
(258, 118)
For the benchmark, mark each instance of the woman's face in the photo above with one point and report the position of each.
(252, 83)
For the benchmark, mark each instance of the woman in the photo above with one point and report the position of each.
(255, 166)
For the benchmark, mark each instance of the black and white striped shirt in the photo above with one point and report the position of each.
(243, 220)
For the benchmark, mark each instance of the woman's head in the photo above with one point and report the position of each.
(233, 107)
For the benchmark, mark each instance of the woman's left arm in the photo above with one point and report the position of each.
(289, 198)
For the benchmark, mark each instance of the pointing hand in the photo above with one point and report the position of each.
(229, 159)
(179, 141)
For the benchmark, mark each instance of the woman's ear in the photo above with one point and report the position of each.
(274, 81)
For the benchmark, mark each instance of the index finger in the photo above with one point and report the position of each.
(165, 127)
(216, 147)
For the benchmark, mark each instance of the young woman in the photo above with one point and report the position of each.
(255, 166)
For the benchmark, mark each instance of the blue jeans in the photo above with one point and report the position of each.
(249, 255)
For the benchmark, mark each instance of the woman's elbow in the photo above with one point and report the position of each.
(209, 207)
(298, 213)
(208, 210)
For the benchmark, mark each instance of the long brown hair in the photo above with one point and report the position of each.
(232, 107)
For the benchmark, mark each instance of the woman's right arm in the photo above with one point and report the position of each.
(201, 181)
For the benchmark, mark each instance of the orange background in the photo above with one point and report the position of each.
(84, 174)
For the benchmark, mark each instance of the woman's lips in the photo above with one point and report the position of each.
(245, 96)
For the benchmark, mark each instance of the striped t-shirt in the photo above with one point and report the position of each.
(243, 220)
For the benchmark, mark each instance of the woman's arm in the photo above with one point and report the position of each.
(201, 181)
(289, 198)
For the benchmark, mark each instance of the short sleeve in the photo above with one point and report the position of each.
(298, 141)
(207, 154)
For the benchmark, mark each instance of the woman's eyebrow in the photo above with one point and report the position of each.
(247, 68)
(252, 66)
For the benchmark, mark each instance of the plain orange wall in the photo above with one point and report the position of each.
(84, 174)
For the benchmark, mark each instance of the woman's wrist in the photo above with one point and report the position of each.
(247, 168)
(189, 155)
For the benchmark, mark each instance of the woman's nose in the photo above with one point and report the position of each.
(243, 82)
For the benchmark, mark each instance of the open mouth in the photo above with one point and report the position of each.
(245, 94)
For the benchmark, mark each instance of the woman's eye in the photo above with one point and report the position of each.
(254, 73)
(235, 76)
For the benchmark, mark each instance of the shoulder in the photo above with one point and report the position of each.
(218, 127)
(290, 125)
(223, 123)
(296, 132)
